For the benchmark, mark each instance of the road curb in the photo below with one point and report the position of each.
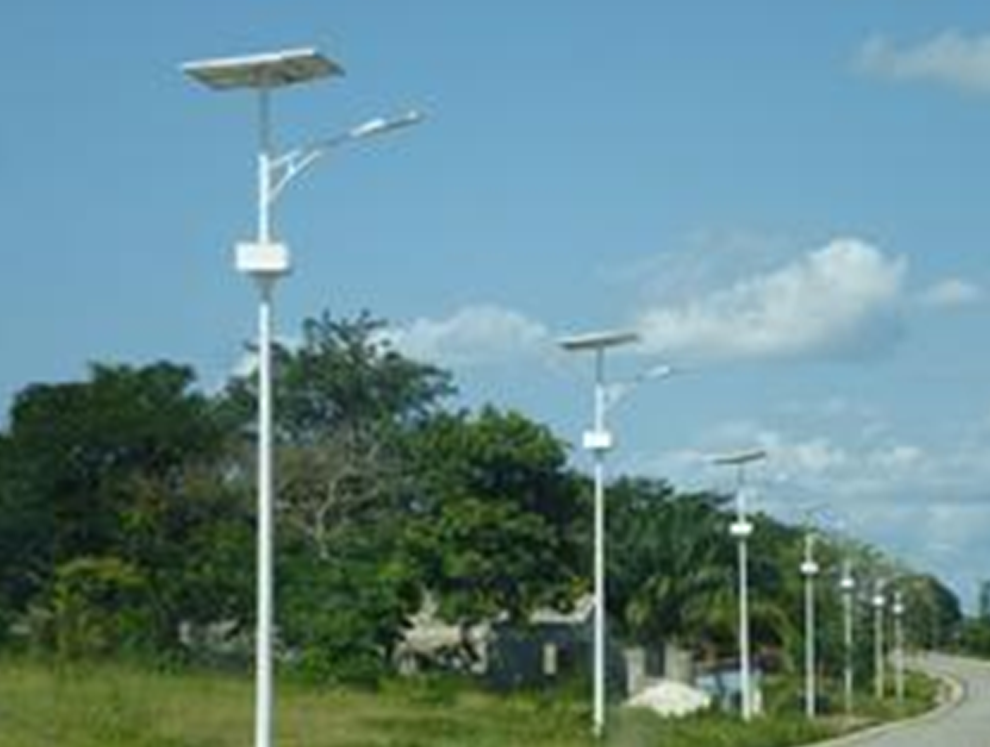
(956, 695)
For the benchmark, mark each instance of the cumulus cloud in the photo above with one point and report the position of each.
(950, 293)
(848, 469)
(474, 335)
(841, 300)
(925, 501)
(817, 458)
(950, 59)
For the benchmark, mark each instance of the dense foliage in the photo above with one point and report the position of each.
(127, 522)
(974, 638)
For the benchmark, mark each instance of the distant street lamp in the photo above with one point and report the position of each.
(741, 529)
(809, 569)
(847, 585)
(265, 261)
(598, 440)
(897, 609)
(879, 601)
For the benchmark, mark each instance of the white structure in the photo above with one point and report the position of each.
(809, 569)
(897, 609)
(266, 260)
(598, 440)
(741, 529)
(847, 585)
(879, 675)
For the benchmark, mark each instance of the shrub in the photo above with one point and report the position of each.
(99, 606)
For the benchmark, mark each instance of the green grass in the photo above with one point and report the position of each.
(120, 706)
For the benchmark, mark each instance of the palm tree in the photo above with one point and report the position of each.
(672, 565)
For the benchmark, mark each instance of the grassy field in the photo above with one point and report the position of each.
(116, 706)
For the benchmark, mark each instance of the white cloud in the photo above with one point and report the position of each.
(924, 502)
(838, 301)
(474, 335)
(950, 59)
(950, 293)
(815, 458)
(897, 457)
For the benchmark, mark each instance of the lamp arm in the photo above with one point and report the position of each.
(286, 167)
(617, 391)
(290, 165)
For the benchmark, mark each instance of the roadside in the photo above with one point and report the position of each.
(952, 694)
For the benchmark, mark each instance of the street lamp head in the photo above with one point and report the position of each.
(848, 581)
(381, 125)
(879, 589)
(897, 604)
(267, 70)
(598, 340)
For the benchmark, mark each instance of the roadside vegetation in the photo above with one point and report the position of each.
(107, 705)
(127, 536)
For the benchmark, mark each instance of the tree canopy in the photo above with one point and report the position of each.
(127, 519)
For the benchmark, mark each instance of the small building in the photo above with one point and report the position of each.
(552, 646)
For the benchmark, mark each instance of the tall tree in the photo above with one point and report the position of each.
(670, 565)
(111, 468)
(933, 614)
(495, 516)
(346, 406)
(346, 402)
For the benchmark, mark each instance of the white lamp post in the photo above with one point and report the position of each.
(897, 609)
(809, 569)
(741, 529)
(848, 587)
(599, 441)
(878, 645)
(265, 261)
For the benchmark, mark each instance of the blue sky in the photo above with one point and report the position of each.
(788, 200)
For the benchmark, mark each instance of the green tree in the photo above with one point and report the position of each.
(933, 614)
(346, 406)
(493, 533)
(346, 402)
(671, 565)
(124, 467)
(673, 572)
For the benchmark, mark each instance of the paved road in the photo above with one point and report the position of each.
(965, 725)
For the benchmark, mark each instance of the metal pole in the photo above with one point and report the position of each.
(899, 644)
(744, 668)
(599, 653)
(809, 646)
(809, 568)
(742, 532)
(264, 165)
(847, 635)
(263, 646)
(878, 645)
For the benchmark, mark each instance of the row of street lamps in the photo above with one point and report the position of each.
(599, 440)
(265, 260)
(847, 587)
